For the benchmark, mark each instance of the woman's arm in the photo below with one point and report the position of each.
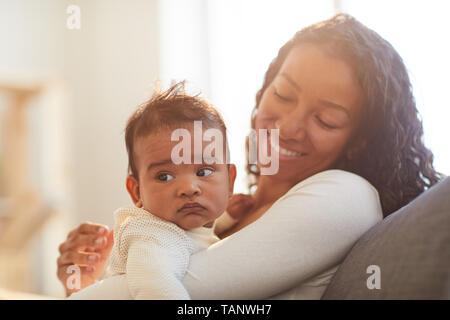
(88, 246)
(308, 230)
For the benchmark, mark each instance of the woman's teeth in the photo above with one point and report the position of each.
(287, 152)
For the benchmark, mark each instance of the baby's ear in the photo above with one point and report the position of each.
(231, 178)
(133, 190)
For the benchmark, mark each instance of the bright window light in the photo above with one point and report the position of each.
(244, 37)
(418, 30)
(225, 47)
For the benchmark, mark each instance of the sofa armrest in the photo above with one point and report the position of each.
(411, 247)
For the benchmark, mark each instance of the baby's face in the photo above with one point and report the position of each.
(189, 195)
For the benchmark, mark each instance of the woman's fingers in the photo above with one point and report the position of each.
(87, 248)
(78, 258)
(92, 228)
(235, 206)
(80, 241)
(75, 240)
(109, 244)
(88, 228)
(241, 198)
(106, 249)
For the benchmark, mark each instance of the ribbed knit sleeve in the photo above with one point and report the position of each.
(152, 252)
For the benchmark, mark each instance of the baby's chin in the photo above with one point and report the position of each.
(192, 221)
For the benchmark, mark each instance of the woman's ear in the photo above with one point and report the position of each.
(231, 178)
(133, 191)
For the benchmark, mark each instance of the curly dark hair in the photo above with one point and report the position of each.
(393, 159)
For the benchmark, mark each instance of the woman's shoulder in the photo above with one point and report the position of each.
(336, 179)
(338, 195)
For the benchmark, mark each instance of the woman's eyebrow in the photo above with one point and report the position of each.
(322, 101)
(333, 105)
(292, 82)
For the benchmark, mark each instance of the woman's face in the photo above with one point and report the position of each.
(315, 101)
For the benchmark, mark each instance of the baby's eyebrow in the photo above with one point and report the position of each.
(212, 160)
(159, 163)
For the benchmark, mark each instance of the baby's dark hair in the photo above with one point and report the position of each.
(169, 109)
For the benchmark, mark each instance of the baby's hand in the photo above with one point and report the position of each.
(239, 205)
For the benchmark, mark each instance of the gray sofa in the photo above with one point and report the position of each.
(411, 247)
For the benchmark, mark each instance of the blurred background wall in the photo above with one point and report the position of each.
(92, 78)
(104, 70)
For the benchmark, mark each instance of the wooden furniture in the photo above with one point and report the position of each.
(22, 210)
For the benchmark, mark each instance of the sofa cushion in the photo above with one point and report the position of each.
(411, 247)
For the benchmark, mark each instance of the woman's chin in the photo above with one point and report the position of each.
(284, 172)
(288, 158)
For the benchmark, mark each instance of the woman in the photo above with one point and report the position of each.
(350, 152)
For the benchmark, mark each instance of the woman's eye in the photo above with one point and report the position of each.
(164, 177)
(204, 172)
(326, 125)
(282, 98)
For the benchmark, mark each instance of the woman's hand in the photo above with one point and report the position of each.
(88, 246)
(239, 205)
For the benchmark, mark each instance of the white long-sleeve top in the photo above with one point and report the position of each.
(291, 252)
(154, 253)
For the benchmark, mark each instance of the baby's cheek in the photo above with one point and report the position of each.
(223, 204)
(156, 203)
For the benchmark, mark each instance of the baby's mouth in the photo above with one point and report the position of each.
(191, 207)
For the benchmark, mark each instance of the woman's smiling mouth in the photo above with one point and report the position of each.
(284, 153)
(287, 152)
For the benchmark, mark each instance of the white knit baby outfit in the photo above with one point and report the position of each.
(154, 253)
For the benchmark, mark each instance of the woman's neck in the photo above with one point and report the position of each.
(270, 190)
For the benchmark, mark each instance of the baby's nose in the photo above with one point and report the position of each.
(189, 188)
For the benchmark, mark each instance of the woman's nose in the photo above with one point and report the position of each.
(188, 187)
(292, 125)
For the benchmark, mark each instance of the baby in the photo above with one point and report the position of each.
(175, 204)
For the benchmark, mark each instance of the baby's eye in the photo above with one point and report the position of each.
(204, 172)
(164, 177)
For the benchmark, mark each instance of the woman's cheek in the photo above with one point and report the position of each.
(332, 144)
(269, 108)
